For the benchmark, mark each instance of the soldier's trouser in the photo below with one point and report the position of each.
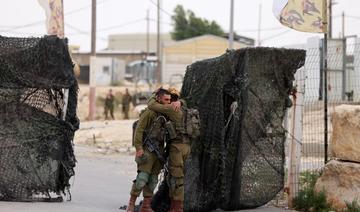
(178, 152)
(147, 177)
(112, 112)
(126, 112)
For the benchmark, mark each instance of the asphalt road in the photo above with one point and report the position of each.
(101, 184)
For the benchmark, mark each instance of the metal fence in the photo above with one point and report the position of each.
(343, 87)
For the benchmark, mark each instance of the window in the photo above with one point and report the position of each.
(106, 69)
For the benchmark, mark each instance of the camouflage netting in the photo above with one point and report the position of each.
(238, 162)
(36, 149)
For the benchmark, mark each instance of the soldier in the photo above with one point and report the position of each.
(179, 149)
(148, 163)
(109, 104)
(126, 99)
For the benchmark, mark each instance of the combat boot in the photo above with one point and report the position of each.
(131, 206)
(176, 206)
(146, 205)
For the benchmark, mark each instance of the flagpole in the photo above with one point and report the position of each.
(325, 83)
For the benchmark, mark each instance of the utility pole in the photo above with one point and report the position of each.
(147, 33)
(343, 24)
(149, 78)
(259, 26)
(92, 92)
(158, 49)
(93, 27)
(231, 31)
(330, 20)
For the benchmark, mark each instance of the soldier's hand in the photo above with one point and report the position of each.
(176, 105)
(139, 153)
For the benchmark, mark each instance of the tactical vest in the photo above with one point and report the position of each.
(156, 131)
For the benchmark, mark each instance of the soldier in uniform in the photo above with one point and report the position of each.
(179, 149)
(148, 163)
(126, 99)
(109, 104)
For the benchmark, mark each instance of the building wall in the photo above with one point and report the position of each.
(83, 59)
(178, 55)
(135, 42)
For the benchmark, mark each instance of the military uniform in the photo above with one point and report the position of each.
(149, 165)
(109, 106)
(179, 150)
(126, 100)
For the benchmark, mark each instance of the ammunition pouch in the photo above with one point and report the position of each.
(169, 126)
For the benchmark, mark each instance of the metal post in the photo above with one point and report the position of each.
(231, 31)
(325, 99)
(259, 26)
(294, 147)
(148, 47)
(343, 96)
(330, 19)
(66, 90)
(158, 50)
(147, 32)
(343, 24)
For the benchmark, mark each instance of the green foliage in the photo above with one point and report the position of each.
(187, 25)
(352, 207)
(307, 199)
(308, 178)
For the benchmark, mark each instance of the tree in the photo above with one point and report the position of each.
(187, 25)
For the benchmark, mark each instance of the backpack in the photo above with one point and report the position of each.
(191, 121)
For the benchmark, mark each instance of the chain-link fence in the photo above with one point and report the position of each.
(343, 87)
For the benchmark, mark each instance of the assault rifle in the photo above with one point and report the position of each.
(153, 147)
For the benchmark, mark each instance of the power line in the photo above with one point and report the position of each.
(121, 25)
(276, 35)
(104, 29)
(85, 7)
(161, 9)
(23, 26)
(154, 20)
(264, 29)
(42, 21)
(83, 32)
(354, 17)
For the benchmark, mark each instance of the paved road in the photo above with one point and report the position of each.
(101, 185)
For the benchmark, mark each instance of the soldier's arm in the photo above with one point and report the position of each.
(144, 121)
(160, 108)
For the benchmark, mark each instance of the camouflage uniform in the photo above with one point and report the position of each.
(179, 149)
(109, 106)
(126, 100)
(149, 165)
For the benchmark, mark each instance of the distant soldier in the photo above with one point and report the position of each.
(126, 99)
(109, 104)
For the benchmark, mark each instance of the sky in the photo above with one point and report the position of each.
(25, 18)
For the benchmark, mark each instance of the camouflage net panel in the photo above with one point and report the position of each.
(238, 161)
(36, 148)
